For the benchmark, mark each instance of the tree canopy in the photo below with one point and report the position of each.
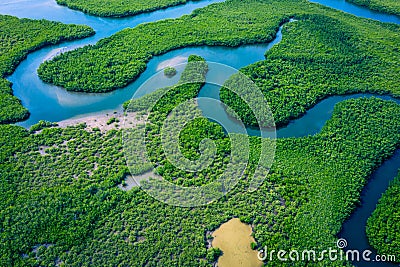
(18, 37)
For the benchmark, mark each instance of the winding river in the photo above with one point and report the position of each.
(48, 102)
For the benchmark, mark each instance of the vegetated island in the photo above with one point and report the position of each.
(386, 6)
(383, 227)
(118, 8)
(170, 72)
(18, 37)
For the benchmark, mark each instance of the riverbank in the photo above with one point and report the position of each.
(105, 121)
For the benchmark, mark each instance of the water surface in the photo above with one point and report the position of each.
(358, 11)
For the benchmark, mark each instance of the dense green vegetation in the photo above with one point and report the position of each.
(343, 54)
(115, 61)
(165, 99)
(340, 56)
(18, 37)
(190, 83)
(60, 203)
(41, 125)
(388, 6)
(169, 71)
(117, 8)
(59, 200)
(11, 109)
(383, 227)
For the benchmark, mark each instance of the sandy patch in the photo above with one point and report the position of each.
(234, 239)
(134, 181)
(171, 62)
(106, 121)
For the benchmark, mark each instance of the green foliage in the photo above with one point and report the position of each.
(116, 61)
(116, 8)
(165, 99)
(18, 37)
(388, 6)
(11, 109)
(63, 206)
(213, 254)
(59, 200)
(41, 125)
(21, 36)
(334, 185)
(342, 55)
(158, 105)
(169, 71)
(383, 227)
(189, 85)
(112, 120)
